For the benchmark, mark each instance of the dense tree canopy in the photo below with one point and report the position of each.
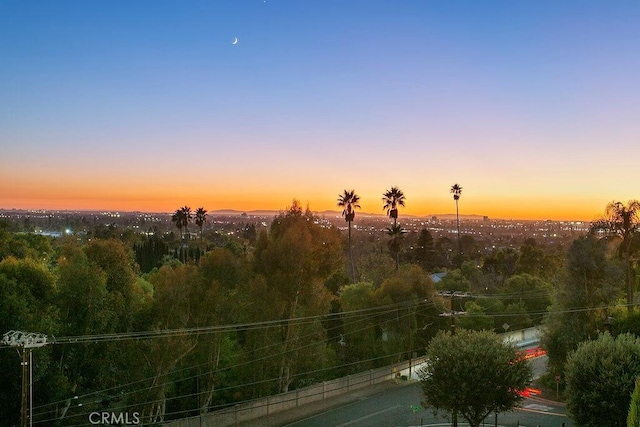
(591, 283)
(633, 417)
(259, 308)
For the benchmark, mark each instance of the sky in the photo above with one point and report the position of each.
(533, 107)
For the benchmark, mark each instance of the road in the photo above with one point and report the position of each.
(399, 407)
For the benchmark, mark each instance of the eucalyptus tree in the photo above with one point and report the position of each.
(393, 198)
(294, 260)
(457, 191)
(623, 221)
(349, 201)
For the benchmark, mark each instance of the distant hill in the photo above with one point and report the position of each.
(331, 212)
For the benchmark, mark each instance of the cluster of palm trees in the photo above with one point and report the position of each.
(392, 199)
(184, 216)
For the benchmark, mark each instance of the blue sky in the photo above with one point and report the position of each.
(531, 106)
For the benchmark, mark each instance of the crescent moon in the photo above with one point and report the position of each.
(235, 40)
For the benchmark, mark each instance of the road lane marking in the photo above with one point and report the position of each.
(538, 407)
(541, 412)
(357, 420)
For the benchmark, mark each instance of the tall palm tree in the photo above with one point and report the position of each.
(201, 218)
(349, 201)
(182, 217)
(457, 191)
(187, 217)
(392, 199)
(178, 220)
(623, 221)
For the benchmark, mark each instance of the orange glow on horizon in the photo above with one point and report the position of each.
(160, 201)
(166, 193)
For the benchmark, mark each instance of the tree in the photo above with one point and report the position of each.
(392, 199)
(375, 267)
(187, 217)
(500, 265)
(360, 341)
(454, 281)
(201, 218)
(443, 249)
(182, 217)
(424, 251)
(179, 220)
(533, 292)
(410, 290)
(457, 191)
(601, 375)
(476, 319)
(395, 244)
(473, 373)
(295, 260)
(633, 417)
(349, 201)
(622, 221)
(590, 283)
(117, 263)
(26, 303)
(531, 259)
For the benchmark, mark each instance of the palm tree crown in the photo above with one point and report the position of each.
(456, 190)
(178, 219)
(349, 201)
(187, 216)
(201, 217)
(182, 217)
(392, 199)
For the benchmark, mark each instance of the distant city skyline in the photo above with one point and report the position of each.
(531, 107)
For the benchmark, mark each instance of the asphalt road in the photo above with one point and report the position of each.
(401, 407)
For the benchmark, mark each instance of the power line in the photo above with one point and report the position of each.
(361, 315)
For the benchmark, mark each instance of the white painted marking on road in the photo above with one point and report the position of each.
(357, 420)
(538, 407)
(541, 412)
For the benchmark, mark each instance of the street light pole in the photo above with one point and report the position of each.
(26, 341)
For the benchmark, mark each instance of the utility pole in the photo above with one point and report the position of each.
(453, 314)
(26, 341)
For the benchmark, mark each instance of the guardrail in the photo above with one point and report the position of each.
(319, 392)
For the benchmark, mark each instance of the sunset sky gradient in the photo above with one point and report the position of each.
(533, 107)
